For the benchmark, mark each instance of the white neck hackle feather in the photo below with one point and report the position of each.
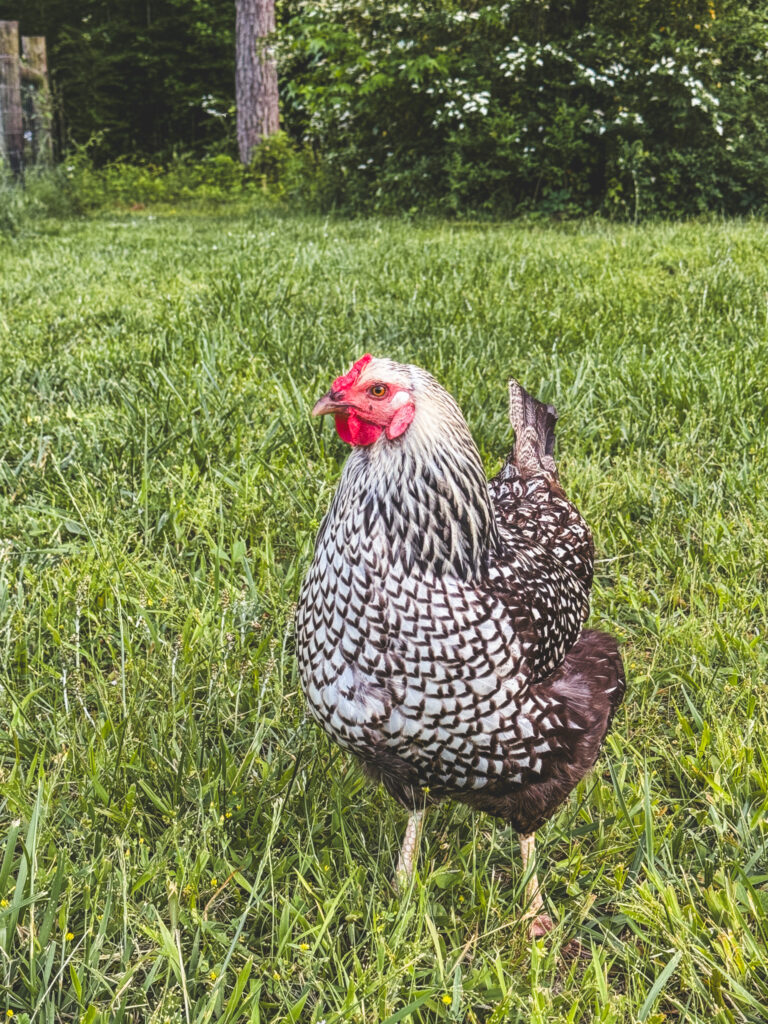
(424, 495)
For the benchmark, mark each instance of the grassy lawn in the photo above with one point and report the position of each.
(180, 843)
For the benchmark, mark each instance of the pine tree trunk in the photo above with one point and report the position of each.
(255, 75)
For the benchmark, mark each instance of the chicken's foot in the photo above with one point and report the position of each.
(540, 923)
(410, 849)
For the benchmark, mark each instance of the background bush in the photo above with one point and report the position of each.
(627, 108)
(631, 108)
(280, 171)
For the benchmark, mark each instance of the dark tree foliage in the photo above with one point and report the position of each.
(629, 107)
(632, 107)
(146, 77)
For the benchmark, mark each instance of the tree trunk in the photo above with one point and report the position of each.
(255, 75)
(10, 96)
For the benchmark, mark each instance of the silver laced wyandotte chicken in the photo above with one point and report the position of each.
(439, 630)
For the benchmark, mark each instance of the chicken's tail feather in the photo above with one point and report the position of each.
(534, 426)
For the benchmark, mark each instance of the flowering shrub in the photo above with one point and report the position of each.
(453, 104)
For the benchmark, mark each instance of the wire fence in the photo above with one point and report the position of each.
(26, 111)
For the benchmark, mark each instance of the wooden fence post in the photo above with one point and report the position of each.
(34, 69)
(10, 95)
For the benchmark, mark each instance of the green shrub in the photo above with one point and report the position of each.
(280, 170)
(43, 193)
(466, 106)
(627, 108)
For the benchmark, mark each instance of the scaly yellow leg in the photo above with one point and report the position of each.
(409, 850)
(540, 923)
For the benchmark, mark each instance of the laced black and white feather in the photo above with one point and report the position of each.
(436, 602)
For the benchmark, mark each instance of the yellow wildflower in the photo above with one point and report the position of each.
(447, 999)
(69, 936)
(212, 975)
(304, 946)
(3, 903)
(214, 882)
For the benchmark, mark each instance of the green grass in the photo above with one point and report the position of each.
(180, 843)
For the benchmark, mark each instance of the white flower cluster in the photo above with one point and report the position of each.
(700, 95)
(459, 102)
(517, 59)
(208, 103)
(513, 60)
(628, 117)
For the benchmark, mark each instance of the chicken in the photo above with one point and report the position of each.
(439, 629)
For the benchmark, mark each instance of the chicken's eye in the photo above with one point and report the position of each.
(377, 390)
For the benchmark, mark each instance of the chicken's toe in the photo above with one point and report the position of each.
(540, 926)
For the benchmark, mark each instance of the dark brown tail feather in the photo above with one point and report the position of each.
(534, 426)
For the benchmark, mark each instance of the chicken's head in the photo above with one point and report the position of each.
(371, 399)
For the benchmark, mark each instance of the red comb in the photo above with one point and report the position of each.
(352, 375)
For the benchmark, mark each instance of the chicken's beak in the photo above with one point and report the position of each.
(328, 403)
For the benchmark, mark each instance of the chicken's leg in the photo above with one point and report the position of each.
(410, 849)
(540, 923)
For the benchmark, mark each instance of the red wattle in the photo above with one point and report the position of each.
(353, 430)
